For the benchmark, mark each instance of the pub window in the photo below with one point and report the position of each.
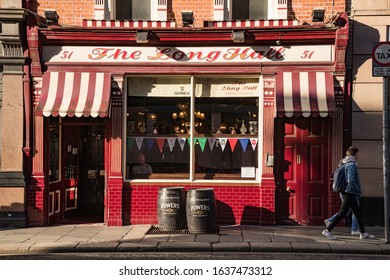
(54, 150)
(248, 9)
(221, 113)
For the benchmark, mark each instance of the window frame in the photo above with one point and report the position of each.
(192, 179)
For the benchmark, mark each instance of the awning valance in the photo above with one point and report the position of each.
(75, 94)
(305, 94)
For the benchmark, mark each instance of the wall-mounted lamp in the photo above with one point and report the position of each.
(187, 18)
(318, 15)
(51, 17)
(238, 36)
(142, 37)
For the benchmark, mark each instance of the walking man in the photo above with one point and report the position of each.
(350, 198)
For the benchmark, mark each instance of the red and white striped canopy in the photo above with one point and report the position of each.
(305, 94)
(75, 94)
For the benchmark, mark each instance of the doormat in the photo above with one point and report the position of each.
(154, 230)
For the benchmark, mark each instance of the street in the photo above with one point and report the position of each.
(194, 256)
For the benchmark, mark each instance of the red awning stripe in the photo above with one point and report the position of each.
(305, 94)
(75, 94)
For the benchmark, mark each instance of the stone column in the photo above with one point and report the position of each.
(12, 181)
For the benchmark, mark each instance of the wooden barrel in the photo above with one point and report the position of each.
(171, 208)
(201, 210)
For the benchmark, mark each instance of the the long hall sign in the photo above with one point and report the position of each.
(254, 54)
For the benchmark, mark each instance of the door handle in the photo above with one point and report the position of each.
(288, 189)
(298, 159)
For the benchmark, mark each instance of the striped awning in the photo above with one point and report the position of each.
(75, 94)
(305, 94)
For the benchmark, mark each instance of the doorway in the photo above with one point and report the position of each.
(81, 188)
(302, 173)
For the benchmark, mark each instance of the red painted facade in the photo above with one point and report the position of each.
(127, 202)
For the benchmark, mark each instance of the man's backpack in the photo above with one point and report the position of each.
(339, 179)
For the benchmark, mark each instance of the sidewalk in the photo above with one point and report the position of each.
(100, 238)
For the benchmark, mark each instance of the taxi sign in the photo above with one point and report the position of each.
(381, 60)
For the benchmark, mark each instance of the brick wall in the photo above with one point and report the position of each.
(235, 205)
(302, 9)
(71, 12)
(203, 10)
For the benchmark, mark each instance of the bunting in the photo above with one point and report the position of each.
(130, 143)
(244, 143)
(150, 143)
(202, 143)
(171, 142)
(182, 142)
(139, 141)
(160, 143)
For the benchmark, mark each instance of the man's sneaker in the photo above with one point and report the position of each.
(365, 235)
(328, 234)
(355, 232)
(326, 222)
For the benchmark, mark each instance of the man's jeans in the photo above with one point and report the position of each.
(354, 221)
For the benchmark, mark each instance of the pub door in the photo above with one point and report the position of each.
(83, 170)
(301, 148)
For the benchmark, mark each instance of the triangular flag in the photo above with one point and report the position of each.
(130, 143)
(139, 141)
(202, 143)
(223, 142)
(253, 143)
(244, 143)
(182, 142)
(211, 142)
(160, 143)
(171, 142)
(232, 142)
(150, 143)
(189, 141)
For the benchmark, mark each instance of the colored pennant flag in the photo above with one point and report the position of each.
(211, 141)
(253, 143)
(150, 143)
(244, 143)
(182, 142)
(160, 143)
(171, 142)
(222, 142)
(232, 142)
(202, 143)
(130, 143)
(139, 141)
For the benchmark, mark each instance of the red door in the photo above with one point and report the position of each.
(302, 170)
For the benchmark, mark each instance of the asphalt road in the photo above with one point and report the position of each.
(194, 256)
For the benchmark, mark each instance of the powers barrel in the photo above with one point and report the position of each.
(171, 208)
(201, 210)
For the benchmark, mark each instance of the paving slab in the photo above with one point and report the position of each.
(211, 238)
(138, 247)
(15, 248)
(53, 247)
(270, 247)
(231, 247)
(184, 247)
(310, 247)
(182, 237)
(353, 249)
(97, 247)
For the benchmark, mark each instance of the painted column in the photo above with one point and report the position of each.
(267, 202)
(113, 156)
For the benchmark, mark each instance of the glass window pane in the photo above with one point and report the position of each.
(226, 137)
(249, 9)
(157, 123)
(54, 150)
